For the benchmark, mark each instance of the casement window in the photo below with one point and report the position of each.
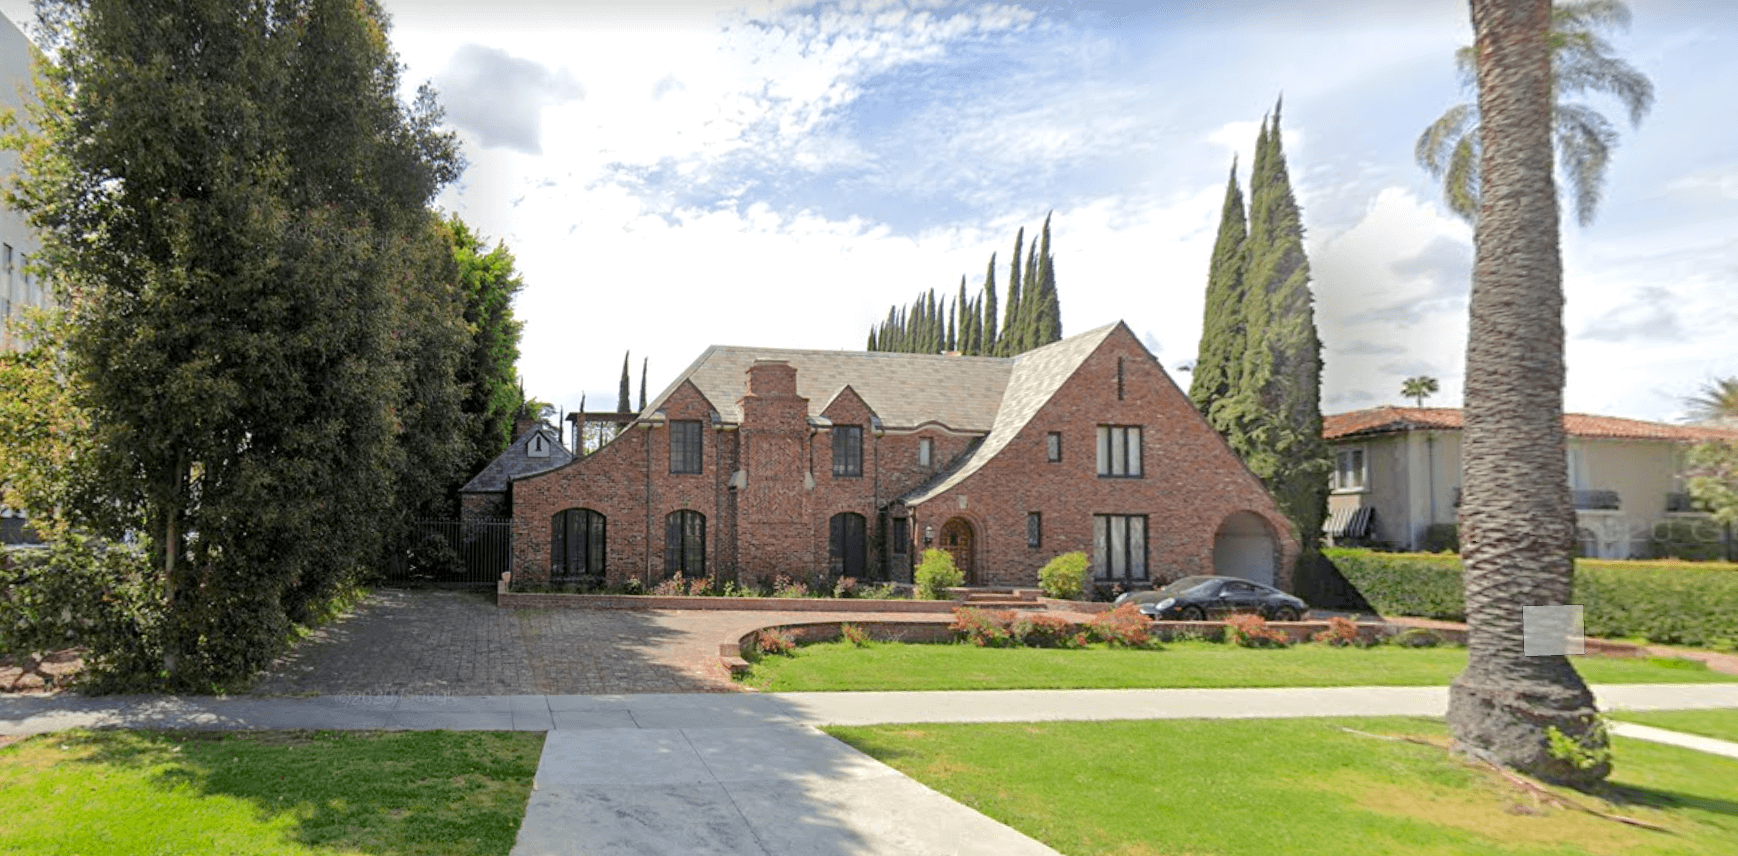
(847, 450)
(1034, 529)
(685, 454)
(577, 543)
(1119, 451)
(685, 543)
(1119, 547)
(925, 452)
(848, 542)
(1349, 469)
(1053, 446)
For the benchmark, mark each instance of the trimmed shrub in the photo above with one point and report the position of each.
(1416, 637)
(845, 587)
(1442, 538)
(1251, 631)
(1043, 630)
(1696, 540)
(1064, 577)
(1341, 633)
(854, 634)
(984, 629)
(1670, 603)
(936, 574)
(774, 642)
(1123, 627)
(675, 586)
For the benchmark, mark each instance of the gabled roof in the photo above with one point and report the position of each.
(516, 461)
(1390, 420)
(1037, 375)
(904, 390)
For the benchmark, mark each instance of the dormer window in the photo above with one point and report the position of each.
(538, 447)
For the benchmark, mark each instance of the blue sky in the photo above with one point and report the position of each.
(674, 175)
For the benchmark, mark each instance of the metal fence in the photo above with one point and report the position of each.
(471, 552)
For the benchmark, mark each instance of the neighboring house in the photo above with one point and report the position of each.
(757, 462)
(19, 289)
(1397, 473)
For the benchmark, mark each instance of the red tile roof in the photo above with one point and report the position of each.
(1384, 420)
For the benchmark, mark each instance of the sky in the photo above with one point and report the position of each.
(673, 175)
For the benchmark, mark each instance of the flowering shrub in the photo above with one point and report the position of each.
(1341, 633)
(673, 587)
(774, 642)
(845, 587)
(783, 586)
(1043, 630)
(1064, 577)
(854, 634)
(984, 629)
(1123, 627)
(1251, 631)
(702, 586)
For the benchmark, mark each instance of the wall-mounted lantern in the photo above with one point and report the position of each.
(928, 535)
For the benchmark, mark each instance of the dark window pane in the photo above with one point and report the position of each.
(1034, 529)
(847, 450)
(685, 447)
(1053, 446)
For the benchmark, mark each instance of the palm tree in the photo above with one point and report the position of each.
(1718, 400)
(1516, 521)
(1418, 388)
(1582, 61)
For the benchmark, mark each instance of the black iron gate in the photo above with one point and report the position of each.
(472, 552)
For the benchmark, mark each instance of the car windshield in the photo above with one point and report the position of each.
(1184, 585)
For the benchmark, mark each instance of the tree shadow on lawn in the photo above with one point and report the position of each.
(378, 792)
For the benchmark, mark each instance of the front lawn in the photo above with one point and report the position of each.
(1302, 787)
(1718, 724)
(129, 793)
(893, 666)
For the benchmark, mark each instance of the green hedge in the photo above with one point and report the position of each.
(1672, 603)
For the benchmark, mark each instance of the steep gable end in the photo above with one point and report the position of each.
(535, 451)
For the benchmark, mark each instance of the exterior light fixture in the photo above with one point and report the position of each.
(928, 535)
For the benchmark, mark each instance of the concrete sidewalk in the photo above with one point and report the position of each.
(38, 714)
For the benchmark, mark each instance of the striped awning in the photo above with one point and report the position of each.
(1350, 522)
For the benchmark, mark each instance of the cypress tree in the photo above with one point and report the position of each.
(1274, 412)
(1219, 362)
(988, 341)
(645, 363)
(626, 389)
(1050, 305)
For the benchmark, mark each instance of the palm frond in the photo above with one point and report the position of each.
(1717, 400)
(1577, 72)
(1584, 142)
(1435, 145)
(1460, 186)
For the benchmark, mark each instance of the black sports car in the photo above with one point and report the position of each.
(1202, 597)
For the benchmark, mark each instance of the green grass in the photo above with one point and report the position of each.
(1718, 724)
(142, 793)
(1298, 786)
(893, 666)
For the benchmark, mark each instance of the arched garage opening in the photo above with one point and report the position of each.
(1244, 547)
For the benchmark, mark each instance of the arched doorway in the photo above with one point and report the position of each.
(957, 540)
(1245, 547)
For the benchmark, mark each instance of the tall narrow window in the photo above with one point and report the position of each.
(847, 450)
(685, 454)
(848, 545)
(1119, 378)
(685, 543)
(1119, 451)
(1053, 446)
(1349, 469)
(1119, 547)
(926, 452)
(1034, 529)
(577, 544)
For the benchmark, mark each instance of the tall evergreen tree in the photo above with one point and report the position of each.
(645, 365)
(1050, 305)
(623, 402)
(987, 343)
(1219, 363)
(1273, 415)
(489, 283)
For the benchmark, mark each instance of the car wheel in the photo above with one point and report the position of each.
(1194, 613)
(1285, 613)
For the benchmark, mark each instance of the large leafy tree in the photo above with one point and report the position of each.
(488, 281)
(233, 202)
(1582, 63)
(1517, 524)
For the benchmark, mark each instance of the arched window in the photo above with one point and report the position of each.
(849, 551)
(685, 543)
(576, 543)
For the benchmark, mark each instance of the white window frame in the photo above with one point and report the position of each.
(1354, 478)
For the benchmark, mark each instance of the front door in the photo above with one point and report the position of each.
(956, 539)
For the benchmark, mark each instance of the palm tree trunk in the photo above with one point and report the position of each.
(1517, 524)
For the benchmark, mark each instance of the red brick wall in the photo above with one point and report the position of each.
(1191, 483)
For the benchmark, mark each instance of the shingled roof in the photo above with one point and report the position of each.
(1037, 375)
(904, 390)
(1388, 420)
(515, 462)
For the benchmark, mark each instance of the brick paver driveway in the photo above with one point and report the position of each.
(459, 643)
